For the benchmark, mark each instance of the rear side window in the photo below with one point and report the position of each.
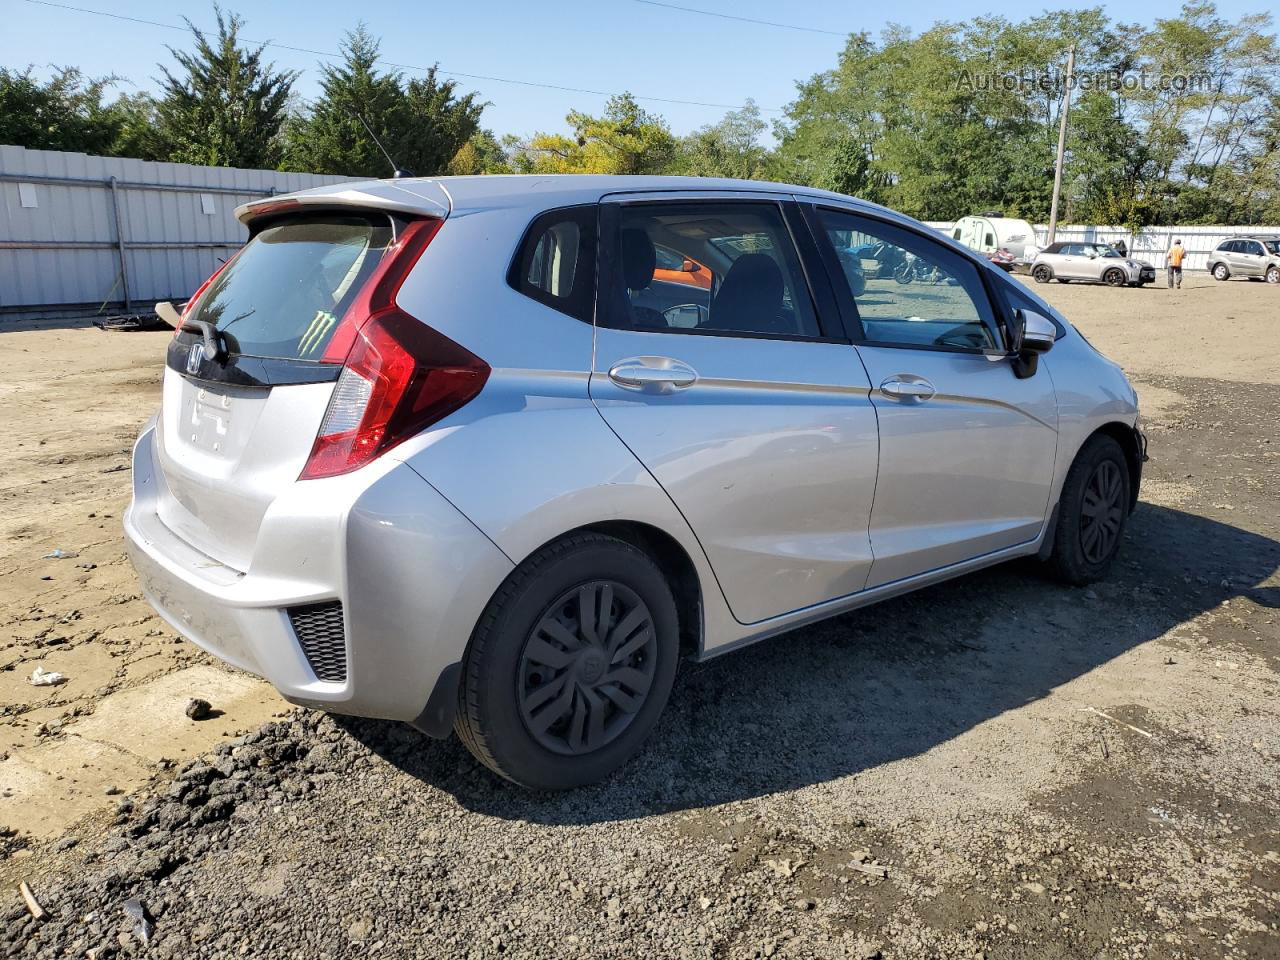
(285, 291)
(555, 264)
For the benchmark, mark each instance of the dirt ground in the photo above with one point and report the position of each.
(998, 766)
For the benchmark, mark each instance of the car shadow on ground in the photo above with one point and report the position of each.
(880, 684)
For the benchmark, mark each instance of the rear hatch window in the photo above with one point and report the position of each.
(284, 294)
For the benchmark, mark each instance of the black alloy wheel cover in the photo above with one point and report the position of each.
(587, 667)
(1102, 511)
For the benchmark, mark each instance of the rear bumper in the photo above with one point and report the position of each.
(412, 574)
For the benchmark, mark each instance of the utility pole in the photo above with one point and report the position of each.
(1062, 142)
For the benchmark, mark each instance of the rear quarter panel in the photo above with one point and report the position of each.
(530, 459)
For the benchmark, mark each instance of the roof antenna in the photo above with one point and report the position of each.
(396, 172)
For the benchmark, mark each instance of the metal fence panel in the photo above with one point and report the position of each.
(62, 247)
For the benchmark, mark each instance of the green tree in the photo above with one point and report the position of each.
(730, 148)
(481, 154)
(625, 139)
(331, 136)
(437, 123)
(137, 128)
(423, 124)
(224, 106)
(964, 117)
(64, 113)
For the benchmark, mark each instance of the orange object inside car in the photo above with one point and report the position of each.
(674, 267)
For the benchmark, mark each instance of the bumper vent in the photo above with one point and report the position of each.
(318, 627)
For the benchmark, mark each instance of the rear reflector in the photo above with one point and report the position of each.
(399, 376)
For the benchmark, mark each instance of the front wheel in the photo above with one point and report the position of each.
(1273, 275)
(1114, 278)
(1220, 271)
(570, 665)
(1092, 512)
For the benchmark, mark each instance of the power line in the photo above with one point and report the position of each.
(730, 16)
(404, 66)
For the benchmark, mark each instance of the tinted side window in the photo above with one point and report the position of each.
(1254, 247)
(756, 285)
(555, 264)
(914, 292)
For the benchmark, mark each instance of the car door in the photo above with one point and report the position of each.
(756, 418)
(967, 448)
(1069, 262)
(1092, 264)
(1251, 258)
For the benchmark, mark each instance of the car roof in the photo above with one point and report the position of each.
(442, 196)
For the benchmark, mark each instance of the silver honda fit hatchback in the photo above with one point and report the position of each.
(465, 453)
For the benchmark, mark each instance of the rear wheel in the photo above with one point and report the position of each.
(571, 664)
(1042, 274)
(1220, 271)
(1114, 278)
(1092, 512)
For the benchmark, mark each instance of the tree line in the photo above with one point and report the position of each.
(1177, 122)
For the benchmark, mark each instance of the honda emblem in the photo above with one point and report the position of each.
(194, 356)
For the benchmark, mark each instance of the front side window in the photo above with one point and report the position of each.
(1253, 247)
(915, 293)
(755, 287)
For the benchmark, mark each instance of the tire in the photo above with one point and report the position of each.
(1099, 474)
(1273, 274)
(1042, 274)
(534, 627)
(1220, 272)
(1114, 278)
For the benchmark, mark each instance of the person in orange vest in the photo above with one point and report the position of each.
(1175, 264)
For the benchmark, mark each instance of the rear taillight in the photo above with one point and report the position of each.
(399, 376)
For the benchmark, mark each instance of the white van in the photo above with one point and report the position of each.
(987, 234)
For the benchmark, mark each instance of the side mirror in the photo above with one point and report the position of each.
(688, 266)
(1030, 334)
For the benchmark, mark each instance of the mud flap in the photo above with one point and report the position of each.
(436, 718)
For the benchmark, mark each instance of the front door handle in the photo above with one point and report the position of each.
(902, 388)
(658, 374)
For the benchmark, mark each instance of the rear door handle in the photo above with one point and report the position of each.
(900, 388)
(656, 374)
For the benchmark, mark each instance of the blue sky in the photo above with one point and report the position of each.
(607, 45)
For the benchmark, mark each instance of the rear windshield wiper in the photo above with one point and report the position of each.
(214, 348)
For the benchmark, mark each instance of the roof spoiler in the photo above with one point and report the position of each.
(421, 198)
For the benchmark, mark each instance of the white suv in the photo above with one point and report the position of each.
(1257, 258)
